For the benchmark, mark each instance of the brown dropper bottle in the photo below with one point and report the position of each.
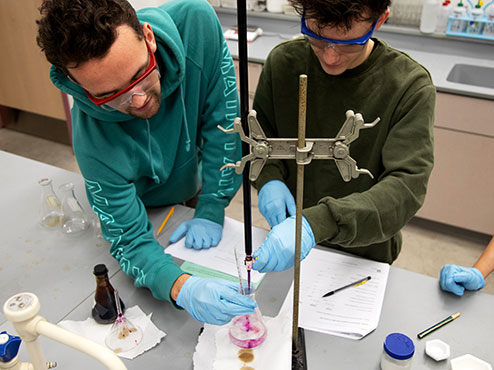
(105, 308)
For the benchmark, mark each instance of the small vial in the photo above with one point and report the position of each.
(398, 352)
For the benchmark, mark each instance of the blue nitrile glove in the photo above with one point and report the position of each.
(278, 250)
(274, 201)
(456, 279)
(213, 301)
(200, 233)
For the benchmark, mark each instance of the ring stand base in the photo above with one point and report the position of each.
(299, 356)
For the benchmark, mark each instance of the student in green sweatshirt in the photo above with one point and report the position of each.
(347, 69)
(149, 91)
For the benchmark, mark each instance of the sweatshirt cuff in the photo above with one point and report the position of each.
(321, 221)
(163, 282)
(210, 210)
(268, 173)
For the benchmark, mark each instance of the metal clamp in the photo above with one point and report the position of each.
(263, 148)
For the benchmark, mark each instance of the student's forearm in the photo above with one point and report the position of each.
(178, 285)
(485, 263)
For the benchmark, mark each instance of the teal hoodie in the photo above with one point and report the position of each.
(129, 163)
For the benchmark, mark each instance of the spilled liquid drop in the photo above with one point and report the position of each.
(246, 355)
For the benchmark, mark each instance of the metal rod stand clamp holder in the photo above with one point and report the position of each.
(263, 148)
(303, 151)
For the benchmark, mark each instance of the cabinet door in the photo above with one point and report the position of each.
(25, 83)
(461, 187)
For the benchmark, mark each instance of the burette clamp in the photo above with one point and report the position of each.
(263, 148)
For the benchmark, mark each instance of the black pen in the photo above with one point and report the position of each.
(447, 320)
(355, 283)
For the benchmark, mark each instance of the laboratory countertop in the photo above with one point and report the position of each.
(438, 53)
(58, 269)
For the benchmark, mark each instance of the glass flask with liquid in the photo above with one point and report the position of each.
(74, 219)
(123, 335)
(248, 331)
(105, 308)
(50, 210)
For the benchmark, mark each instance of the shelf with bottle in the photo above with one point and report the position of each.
(474, 22)
(467, 26)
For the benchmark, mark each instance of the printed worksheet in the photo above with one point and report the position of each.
(221, 257)
(352, 312)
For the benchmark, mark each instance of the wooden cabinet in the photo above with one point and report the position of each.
(24, 80)
(461, 187)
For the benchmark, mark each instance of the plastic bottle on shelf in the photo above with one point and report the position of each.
(458, 24)
(443, 16)
(275, 6)
(474, 27)
(489, 25)
(428, 18)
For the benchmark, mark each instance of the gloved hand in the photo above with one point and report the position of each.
(278, 250)
(201, 233)
(274, 201)
(456, 279)
(213, 301)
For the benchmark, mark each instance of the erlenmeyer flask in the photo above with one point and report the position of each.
(50, 210)
(123, 335)
(248, 331)
(74, 219)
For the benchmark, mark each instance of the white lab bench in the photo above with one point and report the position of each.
(58, 270)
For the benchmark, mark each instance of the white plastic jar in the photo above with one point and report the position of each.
(398, 352)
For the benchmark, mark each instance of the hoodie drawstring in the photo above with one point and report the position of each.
(186, 126)
(155, 177)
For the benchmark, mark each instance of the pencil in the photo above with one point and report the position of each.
(355, 283)
(447, 320)
(165, 220)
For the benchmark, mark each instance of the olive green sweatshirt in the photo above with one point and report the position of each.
(363, 216)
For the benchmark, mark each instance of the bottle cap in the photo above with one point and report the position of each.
(100, 269)
(9, 346)
(399, 346)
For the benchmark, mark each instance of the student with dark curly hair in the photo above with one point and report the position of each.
(347, 69)
(149, 90)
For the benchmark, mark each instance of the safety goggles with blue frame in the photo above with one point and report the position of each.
(340, 46)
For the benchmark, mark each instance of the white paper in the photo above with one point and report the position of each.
(90, 329)
(221, 257)
(352, 312)
(274, 354)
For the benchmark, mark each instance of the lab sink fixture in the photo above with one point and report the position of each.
(472, 75)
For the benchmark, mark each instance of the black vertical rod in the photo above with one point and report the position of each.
(244, 111)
